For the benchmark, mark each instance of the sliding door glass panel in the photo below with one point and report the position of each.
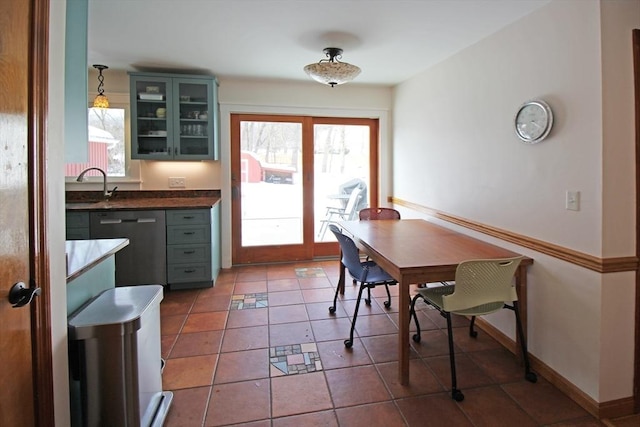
(271, 183)
(341, 175)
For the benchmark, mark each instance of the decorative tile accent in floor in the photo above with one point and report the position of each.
(294, 359)
(243, 301)
(310, 272)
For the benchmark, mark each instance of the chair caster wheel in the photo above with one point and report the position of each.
(416, 338)
(348, 343)
(367, 301)
(332, 309)
(457, 395)
(531, 377)
(387, 304)
(473, 334)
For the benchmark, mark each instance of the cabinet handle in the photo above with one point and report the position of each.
(189, 270)
(188, 217)
(189, 252)
(187, 233)
(169, 150)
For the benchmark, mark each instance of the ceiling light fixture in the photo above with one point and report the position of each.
(331, 71)
(101, 100)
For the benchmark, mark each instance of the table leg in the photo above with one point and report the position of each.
(403, 331)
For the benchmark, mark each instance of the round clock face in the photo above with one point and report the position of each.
(533, 121)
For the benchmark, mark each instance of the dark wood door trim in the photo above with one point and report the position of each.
(38, 243)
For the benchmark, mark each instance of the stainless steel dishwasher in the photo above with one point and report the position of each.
(144, 261)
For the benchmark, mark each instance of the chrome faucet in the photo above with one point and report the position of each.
(105, 193)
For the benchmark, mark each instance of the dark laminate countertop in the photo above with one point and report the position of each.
(138, 200)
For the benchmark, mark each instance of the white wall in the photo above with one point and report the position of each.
(454, 123)
(55, 211)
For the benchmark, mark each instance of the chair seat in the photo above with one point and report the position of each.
(434, 297)
(374, 274)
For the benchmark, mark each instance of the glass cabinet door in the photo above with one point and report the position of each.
(152, 130)
(194, 127)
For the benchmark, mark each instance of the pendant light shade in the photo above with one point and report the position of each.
(101, 100)
(331, 71)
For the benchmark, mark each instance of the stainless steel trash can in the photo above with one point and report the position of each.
(117, 340)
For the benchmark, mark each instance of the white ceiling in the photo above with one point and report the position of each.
(391, 40)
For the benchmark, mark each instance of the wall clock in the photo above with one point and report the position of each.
(533, 121)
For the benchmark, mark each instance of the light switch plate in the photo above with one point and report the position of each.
(572, 202)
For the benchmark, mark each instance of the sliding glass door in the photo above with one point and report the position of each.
(293, 175)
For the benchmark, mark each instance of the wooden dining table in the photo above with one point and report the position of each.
(416, 251)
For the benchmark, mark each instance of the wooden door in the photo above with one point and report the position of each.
(25, 343)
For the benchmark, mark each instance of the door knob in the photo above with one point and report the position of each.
(20, 295)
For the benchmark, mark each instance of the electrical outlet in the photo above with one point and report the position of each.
(572, 202)
(177, 182)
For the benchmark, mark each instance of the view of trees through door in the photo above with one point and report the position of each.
(291, 177)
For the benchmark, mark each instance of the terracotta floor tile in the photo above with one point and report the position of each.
(315, 283)
(275, 272)
(172, 324)
(290, 333)
(188, 372)
(250, 287)
(491, 406)
(197, 344)
(248, 275)
(318, 295)
(248, 317)
(356, 386)
(426, 324)
(209, 321)
(242, 366)
(421, 380)
(334, 354)
(378, 324)
(288, 314)
(168, 308)
(285, 298)
(239, 403)
(320, 310)
(211, 302)
(468, 373)
(384, 348)
(543, 402)
(364, 309)
(331, 329)
(432, 343)
(249, 338)
(376, 414)
(280, 285)
(166, 344)
(298, 394)
(314, 419)
(500, 364)
(442, 411)
(188, 407)
(220, 289)
(466, 343)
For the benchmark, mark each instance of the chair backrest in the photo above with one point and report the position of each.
(370, 214)
(350, 210)
(350, 253)
(485, 284)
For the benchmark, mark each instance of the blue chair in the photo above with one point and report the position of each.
(368, 273)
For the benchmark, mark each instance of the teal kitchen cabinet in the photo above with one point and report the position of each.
(174, 116)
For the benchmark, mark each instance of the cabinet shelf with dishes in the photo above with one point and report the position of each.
(175, 116)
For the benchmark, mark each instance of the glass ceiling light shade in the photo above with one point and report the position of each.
(101, 100)
(331, 71)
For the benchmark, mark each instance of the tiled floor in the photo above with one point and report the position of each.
(234, 357)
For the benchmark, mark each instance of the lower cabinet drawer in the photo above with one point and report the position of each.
(181, 234)
(178, 273)
(181, 254)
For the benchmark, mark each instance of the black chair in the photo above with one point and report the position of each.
(368, 273)
(481, 287)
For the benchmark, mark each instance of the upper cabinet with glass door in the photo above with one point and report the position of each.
(174, 117)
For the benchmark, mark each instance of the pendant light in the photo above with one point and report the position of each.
(331, 71)
(101, 100)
